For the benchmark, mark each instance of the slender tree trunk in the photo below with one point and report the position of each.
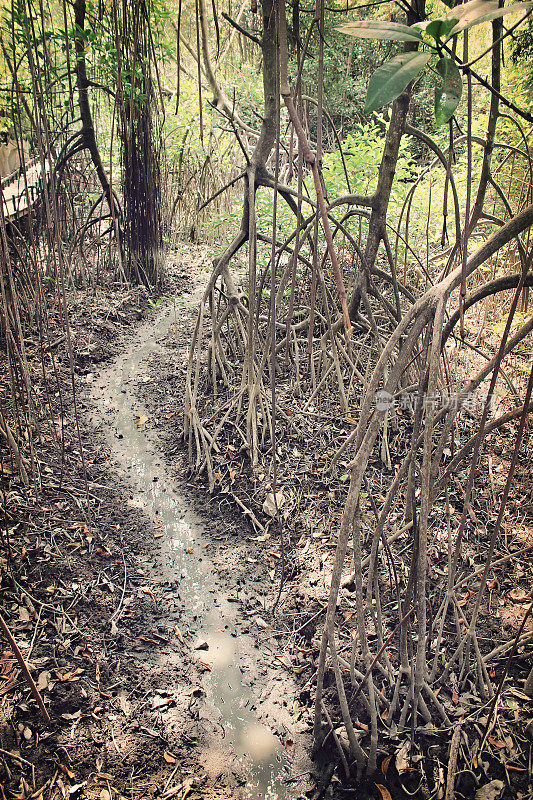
(82, 84)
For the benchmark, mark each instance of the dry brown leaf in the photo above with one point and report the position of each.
(289, 745)
(169, 758)
(491, 791)
(189, 783)
(68, 772)
(384, 792)
(71, 676)
(402, 758)
(43, 680)
(161, 702)
(386, 762)
(496, 742)
(269, 506)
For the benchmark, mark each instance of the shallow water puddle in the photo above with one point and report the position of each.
(241, 742)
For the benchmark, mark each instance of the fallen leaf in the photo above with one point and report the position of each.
(402, 758)
(385, 794)
(124, 703)
(491, 791)
(76, 715)
(169, 758)
(496, 742)
(519, 595)
(67, 771)
(161, 702)
(385, 764)
(187, 786)
(71, 676)
(269, 506)
(43, 680)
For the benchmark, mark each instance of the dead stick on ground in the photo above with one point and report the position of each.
(452, 763)
(25, 670)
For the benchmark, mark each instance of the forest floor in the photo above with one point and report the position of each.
(145, 609)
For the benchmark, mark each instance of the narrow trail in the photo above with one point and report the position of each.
(243, 718)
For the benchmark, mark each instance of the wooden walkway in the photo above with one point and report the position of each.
(21, 190)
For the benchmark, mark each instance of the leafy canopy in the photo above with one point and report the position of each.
(390, 80)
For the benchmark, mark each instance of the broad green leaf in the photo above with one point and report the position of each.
(448, 93)
(390, 80)
(477, 11)
(439, 29)
(380, 29)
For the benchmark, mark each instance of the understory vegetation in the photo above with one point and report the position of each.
(361, 360)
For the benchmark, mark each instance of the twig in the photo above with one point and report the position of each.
(16, 757)
(241, 29)
(117, 611)
(25, 670)
(452, 764)
(32, 645)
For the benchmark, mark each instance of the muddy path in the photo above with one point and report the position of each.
(218, 689)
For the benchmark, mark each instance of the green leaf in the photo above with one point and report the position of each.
(439, 29)
(390, 80)
(448, 93)
(380, 29)
(477, 11)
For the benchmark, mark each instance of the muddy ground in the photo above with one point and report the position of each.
(144, 604)
(129, 652)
